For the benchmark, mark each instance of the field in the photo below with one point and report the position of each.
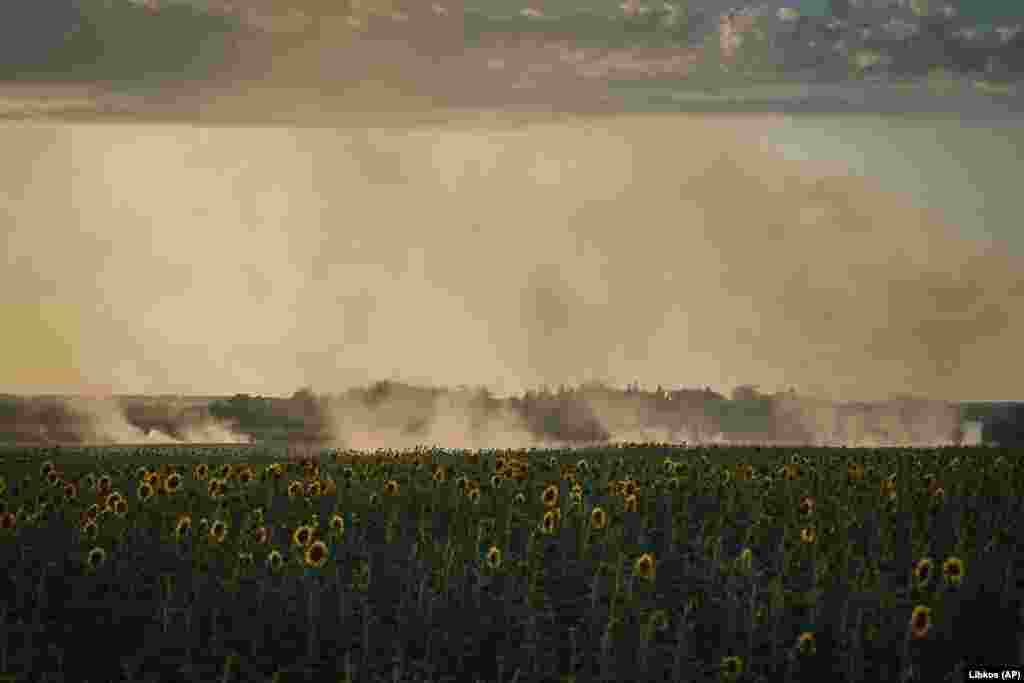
(636, 562)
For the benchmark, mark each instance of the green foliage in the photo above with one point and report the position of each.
(654, 29)
(119, 42)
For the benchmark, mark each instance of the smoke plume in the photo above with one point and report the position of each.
(165, 259)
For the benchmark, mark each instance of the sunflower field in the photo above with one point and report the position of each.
(640, 562)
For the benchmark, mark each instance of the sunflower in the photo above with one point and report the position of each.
(920, 622)
(953, 571)
(923, 572)
(246, 475)
(632, 503)
(551, 520)
(104, 485)
(550, 496)
(791, 471)
(183, 526)
(440, 474)
(261, 535)
(90, 529)
(302, 536)
(744, 472)
(474, 495)
(276, 470)
(121, 507)
(95, 558)
(471, 458)
(201, 471)
(806, 645)
(392, 488)
(808, 535)
(521, 471)
(314, 489)
(145, 491)
(337, 523)
(644, 567)
(153, 479)
(227, 471)
(70, 491)
(218, 531)
(295, 489)
(629, 488)
(172, 483)
(731, 668)
(888, 488)
(806, 506)
(214, 489)
(493, 557)
(577, 488)
(8, 521)
(598, 518)
(316, 554)
(275, 561)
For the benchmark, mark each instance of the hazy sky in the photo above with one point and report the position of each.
(857, 261)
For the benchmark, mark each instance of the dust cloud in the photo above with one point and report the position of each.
(102, 420)
(675, 249)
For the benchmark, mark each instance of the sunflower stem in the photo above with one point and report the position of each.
(366, 634)
(312, 636)
(853, 668)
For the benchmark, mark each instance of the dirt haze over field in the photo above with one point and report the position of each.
(671, 249)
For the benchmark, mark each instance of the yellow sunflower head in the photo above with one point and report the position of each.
(953, 571)
(644, 567)
(302, 536)
(923, 571)
(806, 645)
(920, 622)
(316, 554)
(493, 557)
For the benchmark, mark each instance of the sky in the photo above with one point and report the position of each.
(857, 260)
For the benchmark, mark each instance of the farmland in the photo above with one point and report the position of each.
(630, 562)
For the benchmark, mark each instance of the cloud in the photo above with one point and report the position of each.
(671, 249)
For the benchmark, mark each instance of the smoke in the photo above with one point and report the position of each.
(392, 415)
(401, 417)
(103, 421)
(163, 259)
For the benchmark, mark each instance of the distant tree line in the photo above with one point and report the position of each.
(590, 413)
